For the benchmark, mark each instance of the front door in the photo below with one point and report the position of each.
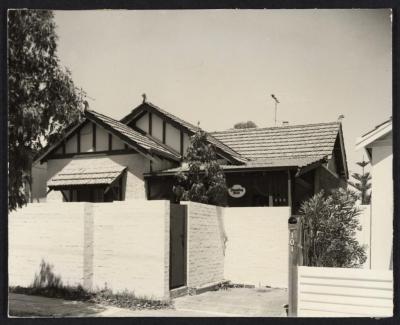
(177, 252)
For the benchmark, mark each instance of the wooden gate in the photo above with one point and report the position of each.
(177, 251)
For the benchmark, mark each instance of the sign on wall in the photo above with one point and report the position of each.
(237, 191)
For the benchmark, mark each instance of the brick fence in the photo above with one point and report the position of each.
(256, 250)
(120, 245)
(125, 245)
(244, 245)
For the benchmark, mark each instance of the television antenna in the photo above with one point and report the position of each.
(276, 105)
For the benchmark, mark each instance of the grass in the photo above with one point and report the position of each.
(124, 299)
(62, 292)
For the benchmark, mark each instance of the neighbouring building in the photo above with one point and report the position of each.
(102, 159)
(378, 145)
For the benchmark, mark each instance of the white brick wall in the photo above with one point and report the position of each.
(205, 257)
(50, 232)
(124, 244)
(130, 246)
(257, 246)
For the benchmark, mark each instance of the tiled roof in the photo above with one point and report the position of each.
(87, 171)
(187, 125)
(138, 138)
(190, 127)
(259, 163)
(299, 141)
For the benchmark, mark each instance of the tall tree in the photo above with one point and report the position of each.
(362, 183)
(245, 125)
(204, 181)
(42, 97)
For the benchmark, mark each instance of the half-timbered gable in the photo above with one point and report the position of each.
(173, 131)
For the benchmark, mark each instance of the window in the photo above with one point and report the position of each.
(94, 193)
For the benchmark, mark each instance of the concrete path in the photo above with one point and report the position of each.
(224, 303)
(263, 302)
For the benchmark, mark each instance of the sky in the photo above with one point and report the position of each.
(220, 67)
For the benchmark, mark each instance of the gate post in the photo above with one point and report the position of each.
(293, 262)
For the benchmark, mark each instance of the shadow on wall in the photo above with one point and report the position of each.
(46, 277)
(221, 227)
(47, 284)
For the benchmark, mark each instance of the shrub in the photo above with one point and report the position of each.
(329, 226)
(204, 182)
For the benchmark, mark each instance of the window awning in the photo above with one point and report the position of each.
(86, 172)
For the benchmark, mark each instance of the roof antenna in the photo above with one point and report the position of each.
(276, 105)
(144, 98)
(340, 118)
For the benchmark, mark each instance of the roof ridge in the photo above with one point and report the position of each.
(274, 127)
(119, 122)
(168, 113)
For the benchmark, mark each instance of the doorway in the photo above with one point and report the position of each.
(178, 244)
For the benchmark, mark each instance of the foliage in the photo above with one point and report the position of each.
(362, 184)
(42, 97)
(245, 125)
(204, 181)
(129, 300)
(329, 228)
(46, 277)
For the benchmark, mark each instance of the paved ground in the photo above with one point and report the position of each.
(263, 302)
(232, 302)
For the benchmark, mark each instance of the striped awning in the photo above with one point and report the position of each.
(86, 172)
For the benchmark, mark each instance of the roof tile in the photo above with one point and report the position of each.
(87, 171)
(311, 140)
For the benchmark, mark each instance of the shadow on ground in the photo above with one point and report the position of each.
(31, 306)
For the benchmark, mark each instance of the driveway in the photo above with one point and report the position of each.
(235, 302)
(247, 302)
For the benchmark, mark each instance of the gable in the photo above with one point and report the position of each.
(89, 138)
(378, 133)
(173, 131)
(114, 136)
(162, 130)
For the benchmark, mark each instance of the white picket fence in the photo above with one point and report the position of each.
(344, 292)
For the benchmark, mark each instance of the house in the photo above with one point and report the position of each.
(102, 159)
(378, 145)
